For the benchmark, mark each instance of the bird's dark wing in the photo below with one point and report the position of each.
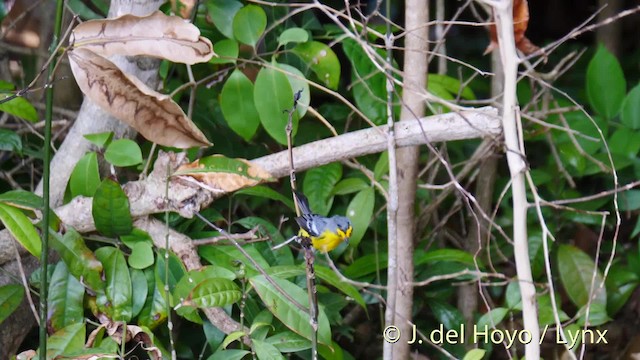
(303, 203)
(311, 223)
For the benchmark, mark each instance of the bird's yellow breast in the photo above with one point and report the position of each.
(326, 241)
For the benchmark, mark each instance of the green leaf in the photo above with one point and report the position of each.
(79, 259)
(446, 314)
(139, 291)
(249, 24)
(289, 342)
(227, 51)
(100, 139)
(621, 282)
(231, 354)
(298, 83)
(85, 177)
(630, 114)
(21, 228)
(349, 186)
(123, 152)
(222, 12)
(606, 85)
(272, 95)
(629, 200)
(135, 237)
(66, 341)
(111, 209)
(475, 354)
(597, 315)
(625, 143)
(118, 282)
(321, 59)
(229, 257)
(451, 85)
(65, 298)
(236, 102)
(365, 265)
(10, 298)
(382, 166)
(141, 256)
(576, 271)
(10, 141)
(293, 35)
(512, 296)
(291, 316)
(264, 226)
(214, 292)
(19, 107)
(266, 351)
(267, 193)
(22, 199)
(154, 310)
(190, 280)
(360, 211)
(334, 280)
(176, 270)
(453, 255)
(492, 319)
(318, 184)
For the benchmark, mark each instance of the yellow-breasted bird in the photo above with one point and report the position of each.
(325, 233)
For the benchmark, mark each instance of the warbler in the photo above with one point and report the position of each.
(325, 233)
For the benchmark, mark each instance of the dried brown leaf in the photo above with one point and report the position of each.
(220, 174)
(520, 24)
(155, 116)
(156, 35)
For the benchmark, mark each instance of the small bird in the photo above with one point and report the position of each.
(325, 233)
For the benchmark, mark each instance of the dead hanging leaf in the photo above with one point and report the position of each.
(155, 116)
(156, 35)
(115, 331)
(218, 173)
(520, 24)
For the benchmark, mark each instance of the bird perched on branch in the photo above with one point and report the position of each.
(325, 233)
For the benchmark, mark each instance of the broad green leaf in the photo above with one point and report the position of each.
(229, 257)
(66, 341)
(625, 143)
(83, 11)
(140, 289)
(382, 166)
(446, 314)
(606, 85)
(349, 186)
(136, 236)
(22, 199)
(79, 259)
(123, 152)
(19, 107)
(222, 13)
(298, 85)
(10, 141)
(321, 59)
(367, 264)
(334, 280)
(281, 256)
(176, 270)
(111, 209)
(214, 292)
(291, 316)
(100, 139)
(576, 271)
(621, 282)
(492, 319)
(293, 35)
(288, 342)
(512, 297)
(231, 354)
(272, 95)
(452, 85)
(194, 277)
(65, 298)
(475, 354)
(264, 226)
(597, 315)
(85, 177)
(227, 51)
(629, 200)
(249, 24)
(236, 102)
(141, 256)
(630, 114)
(10, 298)
(266, 192)
(453, 255)
(360, 212)
(546, 314)
(118, 282)
(154, 311)
(261, 325)
(21, 228)
(266, 351)
(318, 184)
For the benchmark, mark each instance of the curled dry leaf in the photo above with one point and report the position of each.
(520, 24)
(155, 116)
(218, 173)
(114, 329)
(156, 35)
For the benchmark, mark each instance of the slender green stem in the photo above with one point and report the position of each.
(44, 258)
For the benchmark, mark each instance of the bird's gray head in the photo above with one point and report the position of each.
(343, 224)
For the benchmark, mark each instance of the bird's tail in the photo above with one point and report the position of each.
(303, 202)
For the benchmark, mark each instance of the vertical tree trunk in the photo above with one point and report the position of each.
(415, 75)
(609, 35)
